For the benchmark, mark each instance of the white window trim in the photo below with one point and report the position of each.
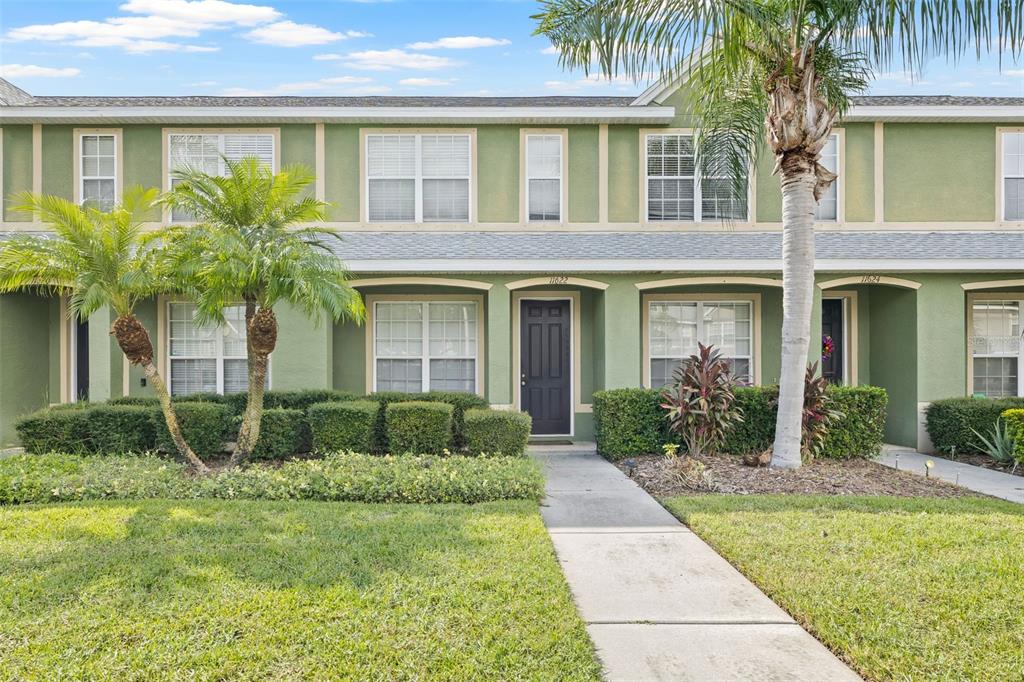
(78, 182)
(166, 134)
(371, 336)
(524, 175)
(755, 326)
(644, 214)
(972, 299)
(840, 182)
(1001, 133)
(164, 338)
(364, 184)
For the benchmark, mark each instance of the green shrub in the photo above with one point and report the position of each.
(951, 422)
(629, 422)
(205, 426)
(860, 432)
(54, 430)
(496, 432)
(1014, 420)
(460, 402)
(347, 477)
(136, 400)
(289, 400)
(757, 430)
(343, 426)
(283, 433)
(418, 427)
(117, 429)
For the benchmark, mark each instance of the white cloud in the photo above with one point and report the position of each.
(551, 49)
(387, 60)
(329, 57)
(1016, 73)
(598, 81)
(459, 43)
(205, 12)
(425, 82)
(33, 71)
(290, 34)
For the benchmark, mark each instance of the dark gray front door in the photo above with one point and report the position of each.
(546, 365)
(832, 327)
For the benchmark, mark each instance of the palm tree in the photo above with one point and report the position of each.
(248, 247)
(97, 259)
(775, 73)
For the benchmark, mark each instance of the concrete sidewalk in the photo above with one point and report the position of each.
(995, 483)
(658, 602)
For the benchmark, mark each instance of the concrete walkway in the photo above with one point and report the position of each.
(986, 481)
(658, 602)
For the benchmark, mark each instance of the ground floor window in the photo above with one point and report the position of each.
(206, 358)
(423, 346)
(674, 328)
(996, 340)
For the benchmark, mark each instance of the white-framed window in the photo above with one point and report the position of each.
(544, 178)
(418, 178)
(828, 205)
(674, 189)
(98, 171)
(207, 152)
(208, 358)
(1013, 176)
(675, 328)
(421, 346)
(996, 347)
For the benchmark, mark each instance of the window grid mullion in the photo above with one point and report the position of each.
(425, 347)
(418, 182)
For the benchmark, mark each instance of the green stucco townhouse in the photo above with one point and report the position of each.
(538, 249)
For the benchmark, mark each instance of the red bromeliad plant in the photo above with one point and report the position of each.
(701, 402)
(817, 413)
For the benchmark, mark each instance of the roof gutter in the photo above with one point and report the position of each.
(180, 114)
(925, 112)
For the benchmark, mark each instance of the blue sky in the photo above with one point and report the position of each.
(333, 47)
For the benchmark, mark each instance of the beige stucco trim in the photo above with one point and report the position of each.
(369, 337)
(879, 172)
(695, 281)
(421, 281)
(971, 298)
(574, 303)
(320, 156)
(556, 280)
(992, 284)
(602, 173)
(524, 209)
(65, 351)
(851, 327)
(645, 330)
(870, 279)
(364, 180)
(76, 169)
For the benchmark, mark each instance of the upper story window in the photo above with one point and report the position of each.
(996, 340)
(98, 172)
(675, 328)
(418, 178)
(828, 205)
(675, 191)
(1013, 176)
(207, 152)
(544, 178)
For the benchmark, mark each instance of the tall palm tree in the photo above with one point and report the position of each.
(775, 73)
(97, 259)
(248, 247)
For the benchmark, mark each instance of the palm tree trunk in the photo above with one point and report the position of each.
(157, 382)
(798, 203)
(261, 338)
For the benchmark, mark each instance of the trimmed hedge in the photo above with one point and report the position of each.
(951, 422)
(460, 402)
(54, 430)
(205, 426)
(1014, 420)
(497, 432)
(289, 400)
(118, 429)
(418, 427)
(283, 433)
(631, 422)
(343, 426)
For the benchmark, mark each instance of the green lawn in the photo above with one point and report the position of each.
(902, 589)
(247, 590)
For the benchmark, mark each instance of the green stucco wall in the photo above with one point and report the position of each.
(623, 174)
(341, 171)
(583, 174)
(893, 329)
(25, 359)
(497, 151)
(17, 170)
(57, 162)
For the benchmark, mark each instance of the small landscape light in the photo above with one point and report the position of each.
(928, 468)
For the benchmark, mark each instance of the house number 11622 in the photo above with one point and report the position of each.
(558, 279)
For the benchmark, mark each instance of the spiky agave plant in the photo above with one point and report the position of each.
(96, 258)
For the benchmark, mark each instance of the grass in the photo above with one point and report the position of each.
(902, 589)
(244, 590)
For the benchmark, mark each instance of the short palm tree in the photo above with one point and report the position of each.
(97, 259)
(248, 246)
(775, 74)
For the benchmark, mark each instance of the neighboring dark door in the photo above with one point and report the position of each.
(832, 327)
(546, 367)
(81, 359)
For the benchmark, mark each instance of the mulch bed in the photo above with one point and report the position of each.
(727, 474)
(987, 462)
